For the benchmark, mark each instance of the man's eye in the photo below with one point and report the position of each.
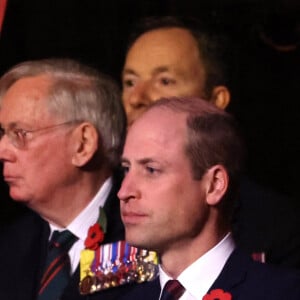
(19, 133)
(166, 81)
(128, 83)
(125, 169)
(151, 170)
(2, 132)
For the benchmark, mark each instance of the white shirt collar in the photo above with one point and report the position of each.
(200, 275)
(80, 225)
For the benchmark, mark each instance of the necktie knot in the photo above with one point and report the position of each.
(173, 290)
(63, 240)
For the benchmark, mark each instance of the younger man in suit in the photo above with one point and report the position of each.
(182, 160)
(169, 56)
(62, 132)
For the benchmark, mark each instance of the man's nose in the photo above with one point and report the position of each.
(140, 96)
(5, 153)
(128, 189)
(123, 192)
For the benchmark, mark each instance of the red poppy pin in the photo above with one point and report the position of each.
(217, 294)
(96, 232)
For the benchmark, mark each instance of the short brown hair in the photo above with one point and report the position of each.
(213, 137)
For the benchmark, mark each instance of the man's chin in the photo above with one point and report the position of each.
(136, 241)
(16, 195)
(131, 240)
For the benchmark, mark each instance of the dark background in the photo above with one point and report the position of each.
(265, 78)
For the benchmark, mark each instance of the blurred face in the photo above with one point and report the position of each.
(37, 170)
(161, 63)
(162, 206)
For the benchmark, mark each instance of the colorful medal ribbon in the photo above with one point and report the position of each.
(115, 264)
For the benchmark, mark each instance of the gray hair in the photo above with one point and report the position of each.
(79, 93)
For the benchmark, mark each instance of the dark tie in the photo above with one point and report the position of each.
(57, 268)
(173, 290)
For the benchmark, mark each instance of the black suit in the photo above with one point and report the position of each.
(242, 278)
(23, 250)
(268, 222)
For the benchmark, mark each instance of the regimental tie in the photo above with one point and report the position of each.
(173, 290)
(57, 267)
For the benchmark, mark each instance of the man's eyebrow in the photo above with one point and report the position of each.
(146, 160)
(161, 69)
(124, 160)
(141, 161)
(128, 71)
(158, 70)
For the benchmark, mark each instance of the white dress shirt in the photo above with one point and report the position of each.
(200, 275)
(81, 224)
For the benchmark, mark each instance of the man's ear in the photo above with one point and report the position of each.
(85, 138)
(217, 184)
(220, 96)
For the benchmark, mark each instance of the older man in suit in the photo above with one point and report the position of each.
(62, 131)
(182, 160)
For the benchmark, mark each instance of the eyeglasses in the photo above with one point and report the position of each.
(19, 137)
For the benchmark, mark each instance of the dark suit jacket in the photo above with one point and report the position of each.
(23, 249)
(243, 278)
(268, 222)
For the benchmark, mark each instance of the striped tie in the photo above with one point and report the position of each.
(173, 290)
(57, 267)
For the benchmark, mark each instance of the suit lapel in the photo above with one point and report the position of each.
(152, 290)
(23, 256)
(115, 227)
(144, 291)
(234, 272)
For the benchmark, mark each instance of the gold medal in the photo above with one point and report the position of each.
(87, 285)
(116, 264)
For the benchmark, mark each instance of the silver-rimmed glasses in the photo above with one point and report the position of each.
(19, 136)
